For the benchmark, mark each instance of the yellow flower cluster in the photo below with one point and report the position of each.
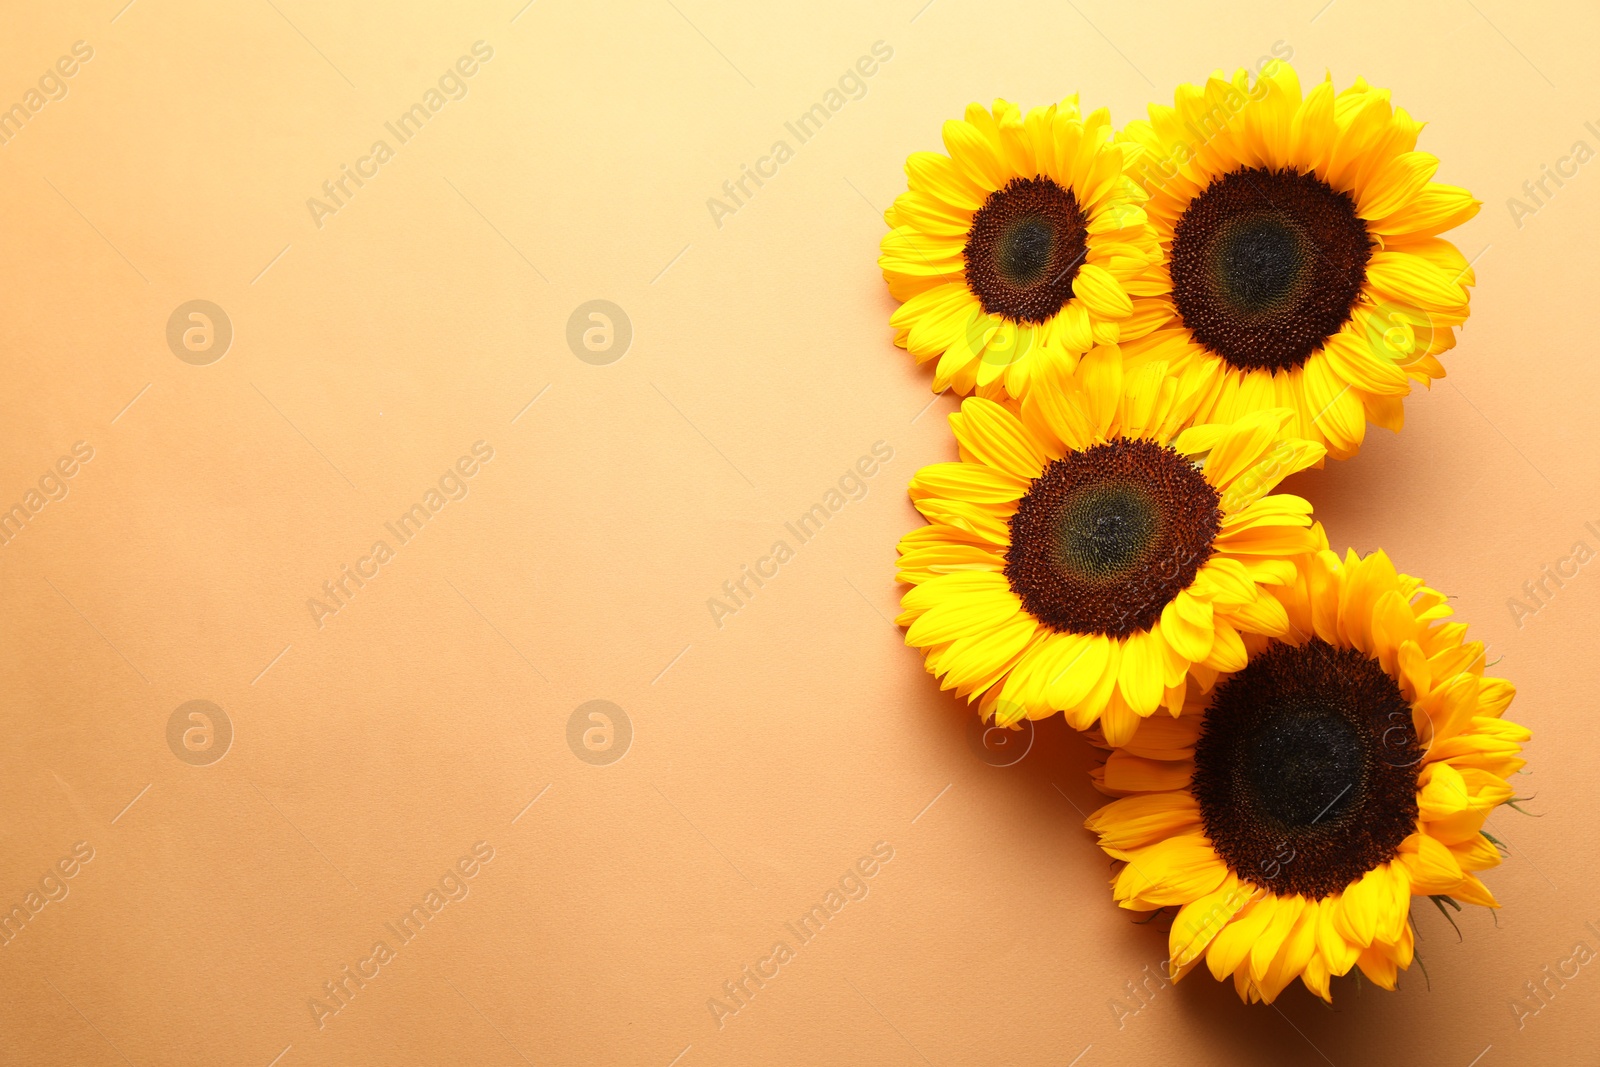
(1152, 327)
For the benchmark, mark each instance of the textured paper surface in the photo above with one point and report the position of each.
(379, 338)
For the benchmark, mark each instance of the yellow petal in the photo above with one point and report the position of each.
(1118, 721)
(938, 176)
(1202, 919)
(983, 521)
(1335, 410)
(1266, 946)
(1083, 715)
(919, 565)
(1315, 976)
(1189, 639)
(1443, 793)
(1199, 439)
(1077, 664)
(955, 365)
(1100, 376)
(1227, 650)
(1137, 821)
(1331, 945)
(1139, 676)
(1378, 967)
(1231, 946)
(1228, 581)
(1412, 279)
(1395, 184)
(1134, 774)
(1476, 854)
(1295, 955)
(1054, 410)
(1312, 129)
(973, 663)
(1432, 867)
(993, 435)
(1170, 873)
(976, 155)
(1360, 912)
(968, 481)
(1432, 211)
(1166, 738)
(962, 616)
(1352, 359)
(1472, 891)
(932, 215)
(1101, 292)
(1265, 616)
(1245, 443)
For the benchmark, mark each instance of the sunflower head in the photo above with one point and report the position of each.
(1303, 265)
(1350, 766)
(1092, 551)
(1018, 249)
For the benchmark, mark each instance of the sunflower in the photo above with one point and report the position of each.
(1303, 264)
(1346, 769)
(1016, 249)
(1088, 553)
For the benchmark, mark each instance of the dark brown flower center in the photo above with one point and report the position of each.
(1024, 249)
(1267, 265)
(1106, 537)
(1306, 769)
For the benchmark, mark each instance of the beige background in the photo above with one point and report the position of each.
(768, 754)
